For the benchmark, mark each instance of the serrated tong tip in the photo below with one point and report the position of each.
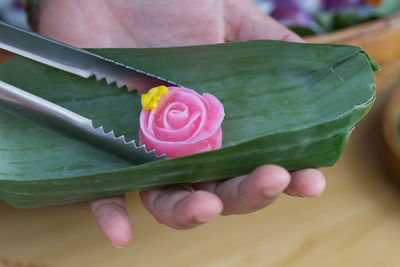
(75, 60)
(68, 123)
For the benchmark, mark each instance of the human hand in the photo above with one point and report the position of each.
(154, 23)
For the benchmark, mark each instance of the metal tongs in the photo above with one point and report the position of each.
(84, 64)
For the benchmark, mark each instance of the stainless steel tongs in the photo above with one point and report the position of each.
(84, 64)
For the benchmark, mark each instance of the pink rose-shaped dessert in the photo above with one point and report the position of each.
(183, 122)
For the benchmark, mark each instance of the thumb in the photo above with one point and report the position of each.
(245, 21)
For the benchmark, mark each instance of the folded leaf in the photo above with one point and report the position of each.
(289, 104)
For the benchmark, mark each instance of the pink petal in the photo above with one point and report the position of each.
(183, 123)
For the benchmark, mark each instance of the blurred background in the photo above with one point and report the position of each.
(306, 17)
(13, 12)
(355, 223)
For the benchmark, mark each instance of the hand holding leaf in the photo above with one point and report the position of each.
(151, 23)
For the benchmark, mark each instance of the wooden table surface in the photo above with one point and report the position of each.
(355, 223)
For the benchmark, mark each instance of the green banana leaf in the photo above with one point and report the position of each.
(289, 104)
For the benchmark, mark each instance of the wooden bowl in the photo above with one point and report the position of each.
(379, 38)
(391, 133)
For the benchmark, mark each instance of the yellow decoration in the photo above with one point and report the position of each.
(151, 98)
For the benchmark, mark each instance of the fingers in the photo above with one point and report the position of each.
(245, 21)
(113, 219)
(248, 193)
(306, 183)
(180, 208)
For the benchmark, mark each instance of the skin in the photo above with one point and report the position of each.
(154, 23)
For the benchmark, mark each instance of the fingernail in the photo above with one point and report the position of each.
(293, 194)
(201, 220)
(116, 246)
